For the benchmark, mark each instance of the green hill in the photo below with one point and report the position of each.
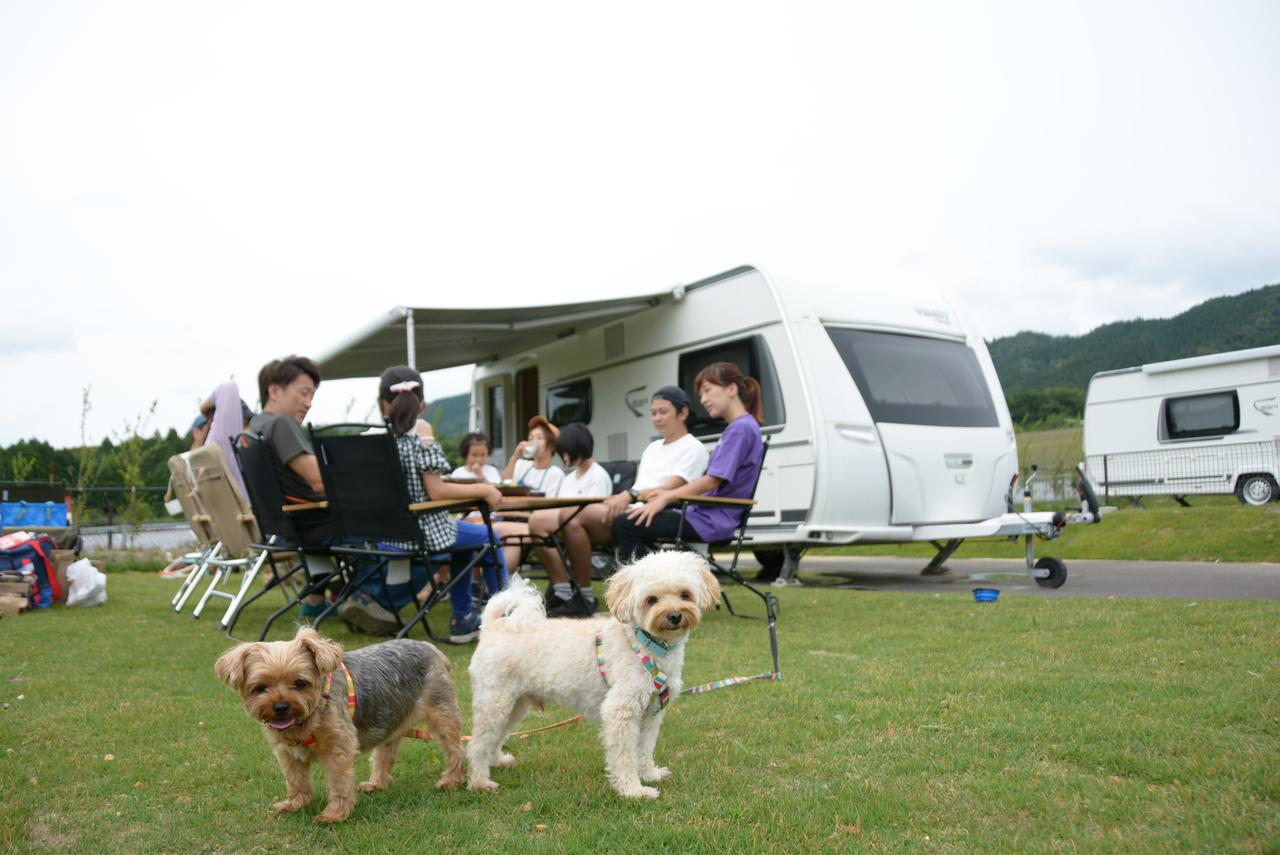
(1031, 360)
(449, 415)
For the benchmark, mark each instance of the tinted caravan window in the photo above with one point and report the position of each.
(494, 415)
(751, 355)
(569, 402)
(912, 380)
(1215, 414)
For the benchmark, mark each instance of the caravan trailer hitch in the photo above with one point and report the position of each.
(1050, 572)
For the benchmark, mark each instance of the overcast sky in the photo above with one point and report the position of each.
(188, 190)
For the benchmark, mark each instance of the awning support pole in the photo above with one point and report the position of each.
(408, 337)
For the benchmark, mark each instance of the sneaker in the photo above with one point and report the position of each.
(310, 611)
(363, 614)
(551, 601)
(465, 628)
(573, 609)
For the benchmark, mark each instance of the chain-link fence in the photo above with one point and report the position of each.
(1183, 470)
(159, 537)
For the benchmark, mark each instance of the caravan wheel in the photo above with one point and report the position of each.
(1057, 572)
(1256, 490)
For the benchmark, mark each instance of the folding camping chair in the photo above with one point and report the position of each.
(182, 485)
(367, 497)
(257, 465)
(730, 570)
(233, 524)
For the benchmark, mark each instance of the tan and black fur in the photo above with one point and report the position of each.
(399, 684)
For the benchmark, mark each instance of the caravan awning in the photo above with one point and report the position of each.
(443, 338)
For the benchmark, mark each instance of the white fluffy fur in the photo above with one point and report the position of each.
(525, 659)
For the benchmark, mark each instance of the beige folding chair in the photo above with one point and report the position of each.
(182, 486)
(234, 525)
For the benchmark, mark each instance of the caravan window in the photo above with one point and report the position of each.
(569, 402)
(913, 380)
(1202, 415)
(494, 414)
(751, 355)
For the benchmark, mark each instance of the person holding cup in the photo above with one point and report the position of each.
(530, 464)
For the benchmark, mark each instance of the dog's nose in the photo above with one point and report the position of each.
(674, 618)
(280, 708)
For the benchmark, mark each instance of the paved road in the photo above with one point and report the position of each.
(1174, 579)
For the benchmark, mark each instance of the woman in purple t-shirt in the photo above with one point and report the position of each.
(732, 471)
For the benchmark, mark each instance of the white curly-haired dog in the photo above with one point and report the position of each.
(596, 667)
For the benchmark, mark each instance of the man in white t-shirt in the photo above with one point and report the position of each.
(675, 459)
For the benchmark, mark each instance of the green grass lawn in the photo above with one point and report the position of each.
(903, 723)
(1214, 528)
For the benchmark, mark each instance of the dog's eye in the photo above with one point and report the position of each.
(257, 690)
(651, 601)
(300, 684)
(685, 595)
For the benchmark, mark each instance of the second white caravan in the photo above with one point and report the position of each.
(886, 418)
(1206, 424)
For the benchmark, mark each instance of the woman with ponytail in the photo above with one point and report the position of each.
(400, 398)
(732, 470)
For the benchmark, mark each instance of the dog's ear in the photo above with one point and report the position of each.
(709, 590)
(230, 666)
(618, 597)
(326, 653)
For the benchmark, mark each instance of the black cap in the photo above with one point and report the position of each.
(675, 395)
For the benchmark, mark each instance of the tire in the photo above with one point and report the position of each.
(1057, 572)
(1256, 490)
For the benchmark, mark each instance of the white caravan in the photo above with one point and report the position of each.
(885, 418)
(1208, 424)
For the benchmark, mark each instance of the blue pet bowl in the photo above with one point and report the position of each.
(985, 595)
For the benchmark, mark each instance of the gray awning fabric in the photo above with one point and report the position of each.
(444, 338)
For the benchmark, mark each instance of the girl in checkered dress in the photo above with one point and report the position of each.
(424, 464)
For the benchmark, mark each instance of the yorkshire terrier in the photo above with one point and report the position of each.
(619, 670)
(301, 693)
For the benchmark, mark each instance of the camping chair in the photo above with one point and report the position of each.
(233, 525)
(730, 570)
(367, 496)
(182, 485)
(258, 467)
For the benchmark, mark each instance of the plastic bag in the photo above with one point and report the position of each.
(87, 585)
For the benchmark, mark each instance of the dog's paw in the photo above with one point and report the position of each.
(640, 793)
(334, 813)
(505, 761)
(290, 805)
(485, 786)
(372, 786)
(450, 782)
(656, 774)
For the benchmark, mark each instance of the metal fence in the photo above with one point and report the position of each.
(1181, 470)
(164, 537)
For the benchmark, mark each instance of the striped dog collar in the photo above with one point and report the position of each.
(661, 691)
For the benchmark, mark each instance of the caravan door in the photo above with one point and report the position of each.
(949, 459)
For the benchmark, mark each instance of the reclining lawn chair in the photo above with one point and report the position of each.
(281, 541)
(730, 570)
(205, 481)
(366, 493)
(182, 486)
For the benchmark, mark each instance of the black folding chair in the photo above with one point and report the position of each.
(730, 570)
(258, 464)
(365, 488)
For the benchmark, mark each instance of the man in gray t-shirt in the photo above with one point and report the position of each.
(288, 440)
(286, 387)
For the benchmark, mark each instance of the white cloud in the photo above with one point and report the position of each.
(186, 192)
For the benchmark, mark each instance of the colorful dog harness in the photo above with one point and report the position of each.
(661, 691)
(351, 697)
